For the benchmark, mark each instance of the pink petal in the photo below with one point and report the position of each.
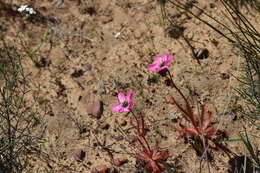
(155, 64)
(165, 58)
(153, 67)
(169, 56)
(117, 108)
(130, 104)
(167, 63)
(129, 96)
(168, 59)
(158, 58)
(121, 97)
(163, 68)
(125, 109)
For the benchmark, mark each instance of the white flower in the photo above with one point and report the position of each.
(30, 10)
(22, 8)
(26, 8)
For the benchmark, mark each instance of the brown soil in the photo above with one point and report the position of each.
(90, 50)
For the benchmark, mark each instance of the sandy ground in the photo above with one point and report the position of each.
(90, 50)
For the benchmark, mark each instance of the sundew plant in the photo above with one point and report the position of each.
(198, 133)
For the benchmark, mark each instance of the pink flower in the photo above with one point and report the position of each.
(160, 62)
(125, 102)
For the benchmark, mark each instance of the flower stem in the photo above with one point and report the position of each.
(189, 112)
(141, 136)
(134, 116)
(177, 89)
(188, 117)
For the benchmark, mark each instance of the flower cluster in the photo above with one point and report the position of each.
(26, 8)
(200, 128)
(153, 158)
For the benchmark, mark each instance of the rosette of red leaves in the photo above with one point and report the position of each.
(200, 127)
(153, 159)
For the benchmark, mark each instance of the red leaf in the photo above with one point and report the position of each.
(153, 159)
(157, 155)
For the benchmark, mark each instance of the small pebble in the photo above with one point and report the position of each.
(95, 109)
(219, 63)
(120, 161)
(105, 126)
(232, 116)
(201, 53)
(79, 155)
(123, 123)
(58, 3)
(90, 10)
(105, 19)
(80, 97)
(77, 73)
(214, 42)
(174, 120)
(100, 169)
(132, 139)
(170, 99)
(224, 76)
(148, 102)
